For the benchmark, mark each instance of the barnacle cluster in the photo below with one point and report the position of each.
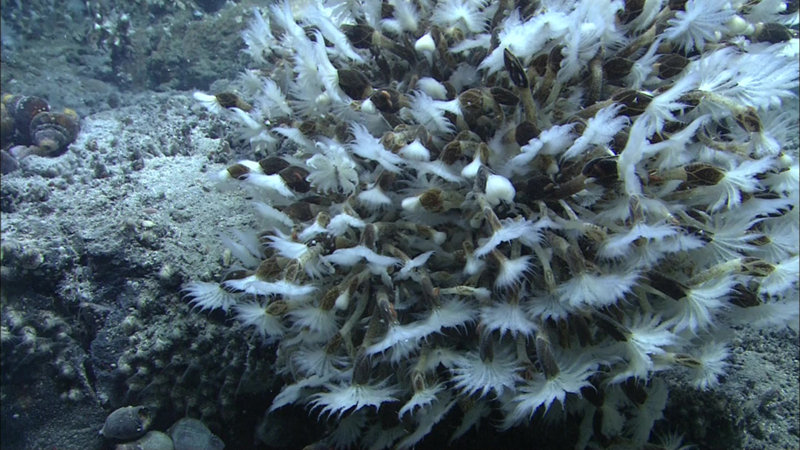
(175, 365)
(29, 338)
(524, 210)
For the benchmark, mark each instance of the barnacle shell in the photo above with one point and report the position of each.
(153, 440)
(192, 434)
(525, 131)
(354, 84)
(671, 64)
(295, 178)
(617, 68)
(772, 33)
(128, 422)
(272, 165)
(388, 100)
(231, 100)
(53, 132)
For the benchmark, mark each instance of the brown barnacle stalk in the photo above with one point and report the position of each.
(361, 369)
(485, 344)
(593, 233)
(548, 87)
(544, 259)
(568, 252)
(649, 36)
(528, 369)
(429, 293)
(362, 298)
(383, 315)
(595, 77)
(580, 327)
(417, 375)
(544, 353)
(442, 48)
(520, 80)
(754, 267)
(643, 40)
(482, 294)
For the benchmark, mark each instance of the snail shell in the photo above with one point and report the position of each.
(53, 132)
(23, 108)
(153, 440)
(126, 423)
(192, 434)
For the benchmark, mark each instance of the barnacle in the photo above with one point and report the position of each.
(541, 206)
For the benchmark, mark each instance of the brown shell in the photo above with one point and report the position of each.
(53, 132)
(670, 65)
(295, 178)
(273, 164)
(129, 422)
(231, 100)
(238, 171)
(23, 108)
(772, 32)
(525, 131)
(617, 68)
(354, 84)
(387, 100)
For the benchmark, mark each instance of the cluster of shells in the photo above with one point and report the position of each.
(133, 422)
(462, 223)
(28, 126)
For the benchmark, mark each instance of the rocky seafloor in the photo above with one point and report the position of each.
(96, 244)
